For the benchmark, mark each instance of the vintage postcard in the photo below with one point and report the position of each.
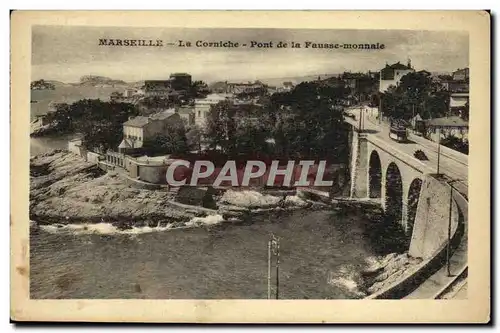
(250, 167)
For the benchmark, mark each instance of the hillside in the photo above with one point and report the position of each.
(294, 79)
(93, 80)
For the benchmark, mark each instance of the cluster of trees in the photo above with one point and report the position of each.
(302, 123)
(100, 123)
(416, 93)
(236, 129)
(153, 104)
(456, 143)
(198, 89)
(172, 141)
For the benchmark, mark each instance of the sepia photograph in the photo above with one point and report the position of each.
(249, 163)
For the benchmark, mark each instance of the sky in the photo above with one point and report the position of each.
(65, 53)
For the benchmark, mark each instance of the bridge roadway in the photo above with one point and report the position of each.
(451, 165)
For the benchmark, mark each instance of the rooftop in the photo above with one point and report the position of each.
(163, 114)
(214, 97)
(397, 65)
(180, 74)
(453, 121)
(141, 121)
(138, 121)
(185, 109)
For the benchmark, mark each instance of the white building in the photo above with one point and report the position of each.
(392, 74)
(458, 100)
(130, 92)
(139, 129)
(202, 107)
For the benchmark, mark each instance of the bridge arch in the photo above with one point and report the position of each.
(374, 176)
(413, 197)
(394, 193)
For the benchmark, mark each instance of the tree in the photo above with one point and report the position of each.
(194, 137)
(308, 122)
(464, 112)
(251, 137)
(116, 96)
(198, 89)
(101, 123)
(455, 143)
(172, 141)
(416, 93)
(152, 104)
(221, 126)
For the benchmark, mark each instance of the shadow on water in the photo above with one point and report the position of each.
(386, 235)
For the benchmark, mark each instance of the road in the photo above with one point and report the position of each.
(450, 165)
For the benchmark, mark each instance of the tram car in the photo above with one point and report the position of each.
(398, 132)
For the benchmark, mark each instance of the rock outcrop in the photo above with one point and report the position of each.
(385, 271)
(66, 189)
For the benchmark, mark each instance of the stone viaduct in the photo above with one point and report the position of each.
(380, 172)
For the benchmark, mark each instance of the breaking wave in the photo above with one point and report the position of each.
(346, 279)
(110, 229)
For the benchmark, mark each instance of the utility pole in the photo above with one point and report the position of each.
(269, 269)
(273, 248)
(448, 247)
(361, 119)
(380, 109)
(277, 268)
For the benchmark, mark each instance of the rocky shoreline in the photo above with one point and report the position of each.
(65, 189)
(385, 271)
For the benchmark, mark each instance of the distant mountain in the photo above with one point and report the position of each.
(56, 83)
(42, 85)
(278, 82)
(218, 86)
(94, 80)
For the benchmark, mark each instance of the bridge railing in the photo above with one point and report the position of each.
(445, 151)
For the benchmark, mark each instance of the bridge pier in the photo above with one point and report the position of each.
(359, 166)
(404, 210)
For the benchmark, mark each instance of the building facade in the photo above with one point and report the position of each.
(202, 107)
(139, 129)
(160, 88)
(391, 75)
(461, 74)
(187, 115)
(244, 88)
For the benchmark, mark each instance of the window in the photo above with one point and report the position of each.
(199, 113)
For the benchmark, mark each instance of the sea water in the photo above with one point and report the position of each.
(320, 252)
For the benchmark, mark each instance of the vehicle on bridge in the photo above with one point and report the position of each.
(398, 131)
